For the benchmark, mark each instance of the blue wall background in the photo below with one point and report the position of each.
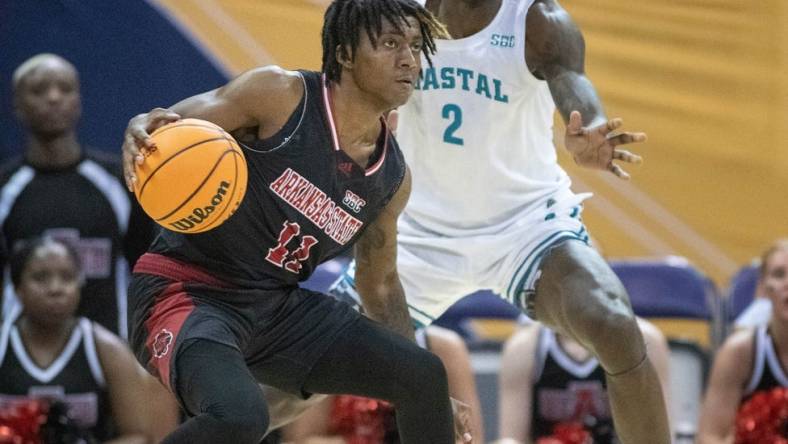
(130, 56)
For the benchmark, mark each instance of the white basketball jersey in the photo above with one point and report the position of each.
(477, 132)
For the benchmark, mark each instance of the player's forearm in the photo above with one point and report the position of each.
(573, 91)
(388, 306)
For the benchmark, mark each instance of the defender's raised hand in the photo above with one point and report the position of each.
(137, 141)
(596, 147)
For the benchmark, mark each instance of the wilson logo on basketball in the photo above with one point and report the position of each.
(199, 214)
(161, 343)
(177, 183)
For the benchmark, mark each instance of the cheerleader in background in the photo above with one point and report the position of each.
(747, 397)
(50, 356)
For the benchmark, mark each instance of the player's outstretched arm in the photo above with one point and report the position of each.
(555, 52)
(377, 280)
(262, 97)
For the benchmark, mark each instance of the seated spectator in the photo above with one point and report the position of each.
(48, 353)
(61, 190)
(749, 364)
(355, 420)
(551, 386)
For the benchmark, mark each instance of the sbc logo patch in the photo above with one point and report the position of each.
(161, 343)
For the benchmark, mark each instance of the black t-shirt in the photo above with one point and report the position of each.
(306, 201)
(87, 205)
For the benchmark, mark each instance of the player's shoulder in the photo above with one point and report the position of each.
(271, 79)
(545, 7)
(546, 16)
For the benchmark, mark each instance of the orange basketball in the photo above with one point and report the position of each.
(195, 178)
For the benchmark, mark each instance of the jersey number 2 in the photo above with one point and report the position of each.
(454, 113)
(290, 260)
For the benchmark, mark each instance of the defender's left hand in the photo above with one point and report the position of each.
(596, 147)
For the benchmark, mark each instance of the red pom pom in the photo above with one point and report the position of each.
(20, 422)
(360, 420)
(567, 433)
(764, 418)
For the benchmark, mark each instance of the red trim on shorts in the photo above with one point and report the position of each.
(173, 306)
(169, 268)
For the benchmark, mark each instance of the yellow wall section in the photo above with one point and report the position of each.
(704, 78)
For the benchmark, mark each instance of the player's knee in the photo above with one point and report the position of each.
(614, 336)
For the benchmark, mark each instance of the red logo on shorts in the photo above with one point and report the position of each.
(161, 343)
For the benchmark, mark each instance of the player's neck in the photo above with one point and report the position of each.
(53, 153)
(357, 120)
(464, 18)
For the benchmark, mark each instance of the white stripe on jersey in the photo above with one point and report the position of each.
(110, 186)
(90, 351)
(12, 189)
(45, 375)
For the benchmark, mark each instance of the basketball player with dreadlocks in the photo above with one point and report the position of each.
(216, 313)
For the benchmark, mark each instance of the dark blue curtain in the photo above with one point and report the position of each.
(130, 56)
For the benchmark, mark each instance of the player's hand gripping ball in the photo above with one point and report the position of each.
(194, 179)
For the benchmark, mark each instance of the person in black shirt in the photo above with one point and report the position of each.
(216, 312)
(49, 353)
(61, 190)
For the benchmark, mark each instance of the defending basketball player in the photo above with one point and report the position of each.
(216, 312)
(492, 209)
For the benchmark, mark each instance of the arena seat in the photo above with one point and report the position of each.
(741, 290)
(672, 294)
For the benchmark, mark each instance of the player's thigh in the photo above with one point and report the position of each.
(370, 360)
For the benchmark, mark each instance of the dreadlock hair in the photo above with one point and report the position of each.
(344, 20)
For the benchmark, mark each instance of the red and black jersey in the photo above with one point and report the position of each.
(306, 201)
